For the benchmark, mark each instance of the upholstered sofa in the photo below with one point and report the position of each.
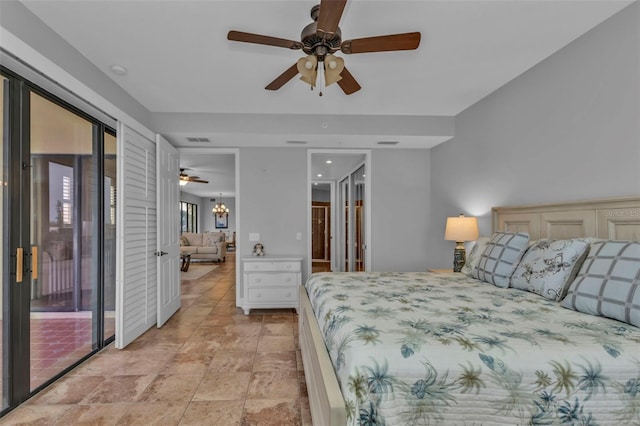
(204, 245)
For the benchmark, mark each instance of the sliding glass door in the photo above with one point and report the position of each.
(358, 200)
(4, 251)
(59, 222)
(352, 219)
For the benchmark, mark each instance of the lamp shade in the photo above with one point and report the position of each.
(308, 69)
(461, 229)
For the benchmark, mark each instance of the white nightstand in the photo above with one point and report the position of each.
(271, 282)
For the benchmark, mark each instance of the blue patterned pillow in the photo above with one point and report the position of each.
(548, 267)
(608, 283)
(500, 258)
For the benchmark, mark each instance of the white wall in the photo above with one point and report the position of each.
(273, 194)
(400, 184)
(277, 177)
(568, 129)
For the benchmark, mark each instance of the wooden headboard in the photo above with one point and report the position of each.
(611, 219)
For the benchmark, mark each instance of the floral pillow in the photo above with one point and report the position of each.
(474, 256)
(500, 258)
(210, 239)
(548, 267)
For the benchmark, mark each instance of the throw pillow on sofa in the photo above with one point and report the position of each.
(210, 239)
(194, 238)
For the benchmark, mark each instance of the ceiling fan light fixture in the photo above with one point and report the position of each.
(307, 67)
(333, 67)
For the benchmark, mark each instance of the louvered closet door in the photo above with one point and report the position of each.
(137, 271)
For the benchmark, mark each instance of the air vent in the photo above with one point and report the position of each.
(196, 139)
(388, 143)
(297, 142)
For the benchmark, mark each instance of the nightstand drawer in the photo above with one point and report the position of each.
(271, 266)
(271, 295)
(274, 279)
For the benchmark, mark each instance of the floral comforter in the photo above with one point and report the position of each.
(422, 348)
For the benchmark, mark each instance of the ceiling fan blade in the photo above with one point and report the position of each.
(283, 78)
(262, 39)
(198, 180)
(329, 17)
(348, 84)
(405, 41)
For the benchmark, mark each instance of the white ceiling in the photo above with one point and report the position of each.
(179, 60)
(218, 169)
(195, 82)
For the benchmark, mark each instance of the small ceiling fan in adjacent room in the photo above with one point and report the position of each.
(185, 178)
(320, 40)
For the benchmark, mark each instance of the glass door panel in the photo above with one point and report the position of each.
(63, 239)
(359, 247)
(344, 224)
(3, 238)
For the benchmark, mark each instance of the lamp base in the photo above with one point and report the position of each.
(459, 256)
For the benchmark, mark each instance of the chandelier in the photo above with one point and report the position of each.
(220, 209)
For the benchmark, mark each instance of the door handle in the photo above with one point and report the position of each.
(34, 262)
(160, 253)
(19, 265)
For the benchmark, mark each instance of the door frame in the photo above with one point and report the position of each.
(367, 208)
(332, 222)
(236, 212)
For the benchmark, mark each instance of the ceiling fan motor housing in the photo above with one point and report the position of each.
(313, 44)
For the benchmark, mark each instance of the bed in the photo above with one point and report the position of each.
(429, 348)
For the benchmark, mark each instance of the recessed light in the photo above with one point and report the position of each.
(319, 175)
(118, 70)
(329, 161)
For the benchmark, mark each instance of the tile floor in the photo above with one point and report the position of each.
(209, 365)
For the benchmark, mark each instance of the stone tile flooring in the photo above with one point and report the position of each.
(209, 365)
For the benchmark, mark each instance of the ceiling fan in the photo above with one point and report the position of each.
(186, 178)
(322, 38)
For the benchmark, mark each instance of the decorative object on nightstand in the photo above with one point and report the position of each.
(258, 249)
(460, 229)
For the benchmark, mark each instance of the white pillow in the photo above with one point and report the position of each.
(548, 267)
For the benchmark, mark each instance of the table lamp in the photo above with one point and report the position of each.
(460, 229)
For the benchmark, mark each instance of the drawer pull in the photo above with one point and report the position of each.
(258, 295)
(258, 280)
